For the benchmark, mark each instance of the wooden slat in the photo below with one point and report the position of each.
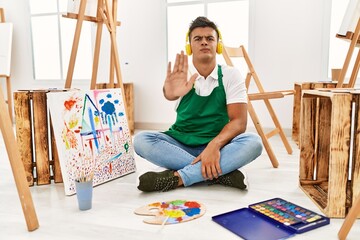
(129, 96)
(41, 137)
(323, 137)
(24, 133)
(317, 195)
(87, 18)
(355, 170)
(296, 112)
(307, 139)
(272, 133)
(339, 154)
(56, 169)
(262, 96)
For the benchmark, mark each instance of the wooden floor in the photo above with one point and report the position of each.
(114, 202)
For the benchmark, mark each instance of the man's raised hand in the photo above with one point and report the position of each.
(176, 83)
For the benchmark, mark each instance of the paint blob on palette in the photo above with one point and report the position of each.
(171, 212)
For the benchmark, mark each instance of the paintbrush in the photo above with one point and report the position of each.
(163, 223)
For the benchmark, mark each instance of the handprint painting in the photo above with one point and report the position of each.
(92, 136)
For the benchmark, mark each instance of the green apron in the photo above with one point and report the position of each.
(200, 118)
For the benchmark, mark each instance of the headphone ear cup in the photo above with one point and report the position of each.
(219, 48)
(188, 49)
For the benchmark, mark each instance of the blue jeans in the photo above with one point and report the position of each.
(164, 151)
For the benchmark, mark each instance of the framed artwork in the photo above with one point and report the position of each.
(92, 135)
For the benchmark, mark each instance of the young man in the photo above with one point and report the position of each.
(208, 140)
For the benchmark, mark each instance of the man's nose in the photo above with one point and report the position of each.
(204, 41)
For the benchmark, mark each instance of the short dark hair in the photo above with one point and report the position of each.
(202, 22)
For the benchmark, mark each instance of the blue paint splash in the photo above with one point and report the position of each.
(92, 123)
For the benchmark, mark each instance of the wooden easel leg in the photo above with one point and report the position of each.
(17, 167)
(350, 219)
(114, 45)
(260, 131)
(75, 46)
(96, 55)
(278, 126)
(112, 56)
(116, 55)
(355, 71)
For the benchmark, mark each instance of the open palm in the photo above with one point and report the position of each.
(176, 82)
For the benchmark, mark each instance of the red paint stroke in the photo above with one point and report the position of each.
(69, 104)
(179, 219)
(192, 204)
(110, 170)
(164, 205)
(90, 145)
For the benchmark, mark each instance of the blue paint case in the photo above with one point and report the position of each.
(258, 221)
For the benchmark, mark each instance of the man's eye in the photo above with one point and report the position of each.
(210, 38)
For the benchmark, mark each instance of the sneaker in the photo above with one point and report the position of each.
(234, 179)
(158, 181)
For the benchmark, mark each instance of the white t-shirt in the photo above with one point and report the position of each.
(234, 84)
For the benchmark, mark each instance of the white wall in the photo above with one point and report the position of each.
(286, 47)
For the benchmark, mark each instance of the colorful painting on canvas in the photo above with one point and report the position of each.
(92, 135)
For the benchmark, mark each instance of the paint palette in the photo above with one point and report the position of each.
(171, 212)
(290, 215)
(270, 220)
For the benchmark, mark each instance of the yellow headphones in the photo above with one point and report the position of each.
(219, 47)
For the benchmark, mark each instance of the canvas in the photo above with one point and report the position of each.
(6, 30)
(90, 9)
(92, 135)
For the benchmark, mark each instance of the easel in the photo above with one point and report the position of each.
(354, 42)
(14, 155)
(17, 166)
(105, 14)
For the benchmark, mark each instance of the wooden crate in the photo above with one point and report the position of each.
(35, 134)
(34, 137)
(329, 156)
(298, 87)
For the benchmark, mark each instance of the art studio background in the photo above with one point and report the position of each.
(288, 41)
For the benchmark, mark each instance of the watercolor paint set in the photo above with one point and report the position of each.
(271, 219)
